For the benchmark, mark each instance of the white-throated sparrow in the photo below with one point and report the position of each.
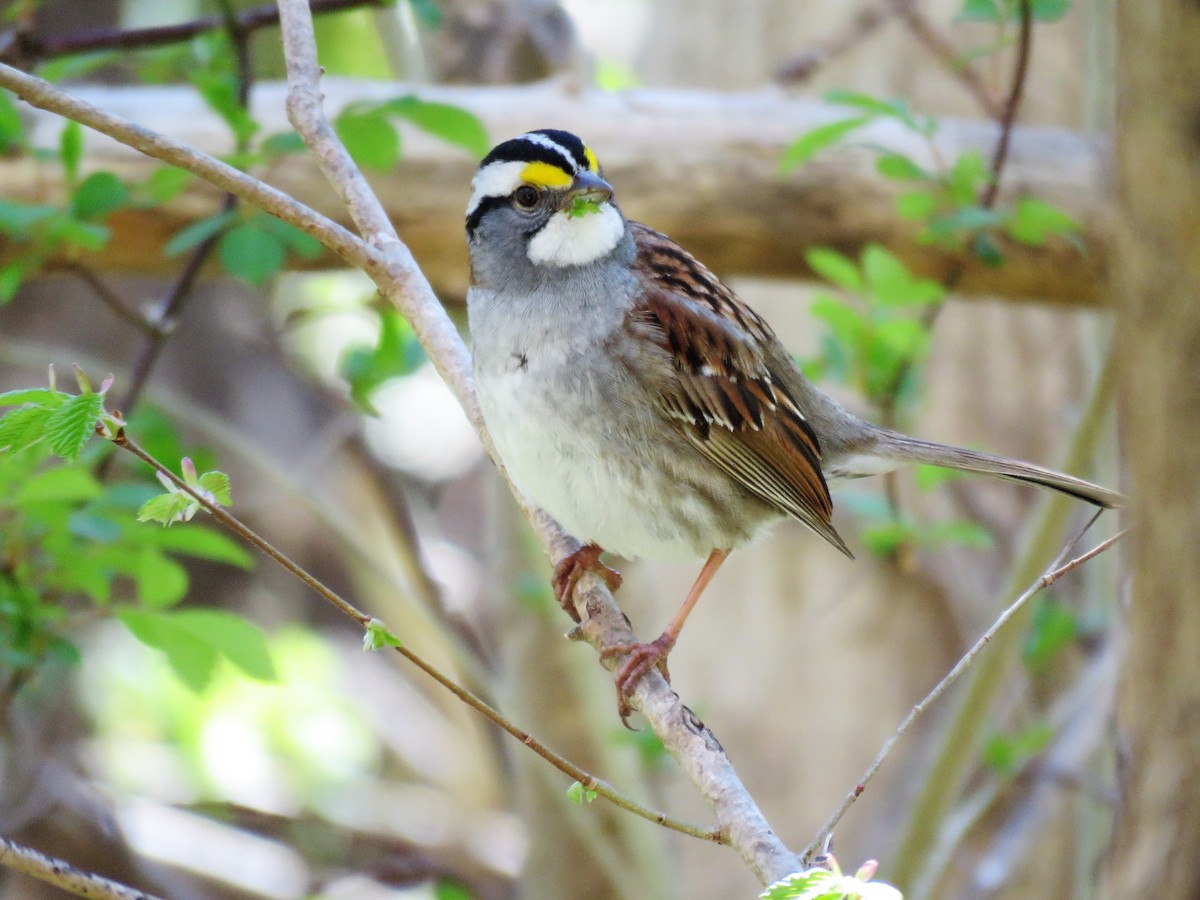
(640, 402)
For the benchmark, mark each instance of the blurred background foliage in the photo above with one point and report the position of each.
(260, 753)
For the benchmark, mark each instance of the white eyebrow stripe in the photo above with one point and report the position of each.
(499, 179)
(548, 143)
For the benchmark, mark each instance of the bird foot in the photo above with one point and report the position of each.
(639, 659)
(571, 568)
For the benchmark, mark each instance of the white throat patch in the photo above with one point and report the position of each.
(567, 241)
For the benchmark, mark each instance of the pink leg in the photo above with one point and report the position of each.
(571, 568)
(641, 658)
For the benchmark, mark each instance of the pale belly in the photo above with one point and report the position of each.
(609, 473)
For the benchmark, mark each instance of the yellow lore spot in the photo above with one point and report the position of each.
(593, 163)
(542, 174)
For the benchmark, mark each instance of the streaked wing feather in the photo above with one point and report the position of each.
(725, 394)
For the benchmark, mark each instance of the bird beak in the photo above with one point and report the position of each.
(589, 186)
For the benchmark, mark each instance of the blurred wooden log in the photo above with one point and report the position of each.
(701, 166)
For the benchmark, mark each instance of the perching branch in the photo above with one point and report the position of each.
(739, 821)
(63, 875)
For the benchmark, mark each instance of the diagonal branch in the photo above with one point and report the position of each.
(686, 738)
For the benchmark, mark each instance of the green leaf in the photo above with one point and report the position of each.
(23, 427)
(203, 543)
(12, 276)
(251, 253)
(70, 426)
(19, 219)
(1053, 628)
(160, 580)
(92, 527)
(979, 11)
(98, 195)
(848, 325)
(166, 183)
(282, 143)
(166, 509)
(808, 885)
(873, 107)
(303, 245)
(812, 142)
(197, 233)
(929, 477)
(899, 167)
(905, 339)
(12, 130)
(219, 90)
(834, 267)
(376, 636)
(70, 150)
(452, 124)
(985, 248)
(37, 396)
(890, 281)
(427, 12)
(370, 138)
(235, 638)
(1049, 10)
(194, 639)
(916, 205)
(397, 353)
(1006, 753)
(967, 178)
(77, 65)
(86, 235)
(1033, 220)
(580, 795)
(886, 538)
(60, 484)
(968, 534)
(445, 889)
(194, 661)
(217, 484)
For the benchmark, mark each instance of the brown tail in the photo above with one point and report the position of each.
(904, 449)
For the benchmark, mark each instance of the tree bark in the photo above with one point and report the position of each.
(1158, 273)
(701, 166)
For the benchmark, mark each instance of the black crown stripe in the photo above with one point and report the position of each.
(569, 142)
(521, 150)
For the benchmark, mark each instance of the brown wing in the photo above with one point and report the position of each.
(726, 394)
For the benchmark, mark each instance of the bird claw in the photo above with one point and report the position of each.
(571, 568)
(639, 659)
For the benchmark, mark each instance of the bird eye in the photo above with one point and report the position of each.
(526, 197)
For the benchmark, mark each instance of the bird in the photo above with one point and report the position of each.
(639, 401)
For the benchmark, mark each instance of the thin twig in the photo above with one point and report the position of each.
(231, 522)
(803, 66)
(947, 54)
(1011, 106)
(63, 875)
(1055, 571)
(106, 294)
(25, 45)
